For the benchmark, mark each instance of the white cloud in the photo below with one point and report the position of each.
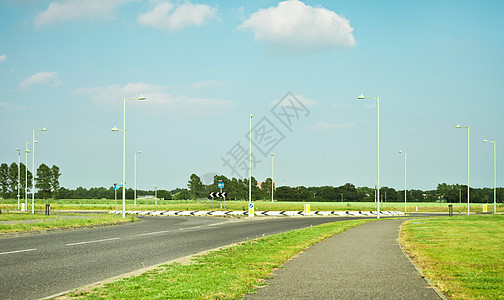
(300, 98)
(156, 95)
(295, 26)
(62, 11)
(330, 126)
(46, 78)
(166, 15)
(3, 58)
(207, 84)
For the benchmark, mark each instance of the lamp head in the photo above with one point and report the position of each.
(458, 126)
(271, 154)
(44, 129)
(27, 151)
(485, 141)
(138, 152)
(141, 97)
(361, 97)
(251, 116)
(115, 128)
(400, 151)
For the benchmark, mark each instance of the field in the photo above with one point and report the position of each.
(463, 256)
(107, 204)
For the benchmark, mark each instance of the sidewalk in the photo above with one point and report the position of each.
(365, 262)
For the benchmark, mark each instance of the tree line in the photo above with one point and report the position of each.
(47, 180)
(237, 189)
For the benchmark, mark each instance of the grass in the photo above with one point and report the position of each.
(463, 256)
(57, 222)
(108, 204)
(14, 216)
(224, 274)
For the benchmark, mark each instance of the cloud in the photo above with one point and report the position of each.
(207, 84)
(62, 11)
(166, 16)
(330, 126)
(294, 26)
(157, 96)
(46, 78)
(300, 98)
(3, 58)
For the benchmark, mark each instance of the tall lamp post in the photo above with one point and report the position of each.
(272, 181)
(26, 173)
(362, 97)
(468, 203)
(250, 158)
(33, 168)
(405, 190)
(124, 152)
(495, 174)
(138, 152)
(19, 176)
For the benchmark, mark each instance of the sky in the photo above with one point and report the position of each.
(296, 66)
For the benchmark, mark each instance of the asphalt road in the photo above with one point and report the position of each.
(38, 266)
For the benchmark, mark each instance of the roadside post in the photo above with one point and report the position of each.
(485, 208)
(450, 210)
(251, 210)
(221, 186)
(306, 209)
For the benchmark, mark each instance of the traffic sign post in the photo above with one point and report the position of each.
(251, 210)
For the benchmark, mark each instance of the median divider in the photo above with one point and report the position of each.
(223, 213)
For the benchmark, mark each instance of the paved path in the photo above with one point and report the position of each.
(365, 262)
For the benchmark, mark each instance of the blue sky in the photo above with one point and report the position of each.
(205, 66)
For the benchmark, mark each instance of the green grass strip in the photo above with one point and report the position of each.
(223, 274)
(22, 216)
(52, 223)
(463, 256)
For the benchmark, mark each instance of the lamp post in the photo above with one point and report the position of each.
(138, 152)
(468, 162)
(33, 168)
(362, 97)
(26, 173)
(124, 152)
(250, 158)
(19, 176)
(405, 190)
(495, 174)
(272, 181)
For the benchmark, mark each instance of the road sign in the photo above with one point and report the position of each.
(217, 194)
(117, 186)
(221, 185)
(251, 210)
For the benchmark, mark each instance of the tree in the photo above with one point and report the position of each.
(44, 176)
(182, 195)
(195, 186)
(13, 180)
(55, 175)
(4, 180)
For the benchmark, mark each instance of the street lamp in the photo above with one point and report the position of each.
(138, 152)
(468, 203)
(495, 174)
(19, 179)
(33, 168)
(250, 158)
(124, 151)
(405, 190)
(26, 173)
(362, 97)
(272, 181)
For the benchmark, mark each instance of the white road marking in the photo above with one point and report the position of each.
(88, 242)
(18, 251)
(149, 233)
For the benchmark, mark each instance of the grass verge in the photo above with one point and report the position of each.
(223, 274)
(63, 222)
(463, 256)
(10, 216)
